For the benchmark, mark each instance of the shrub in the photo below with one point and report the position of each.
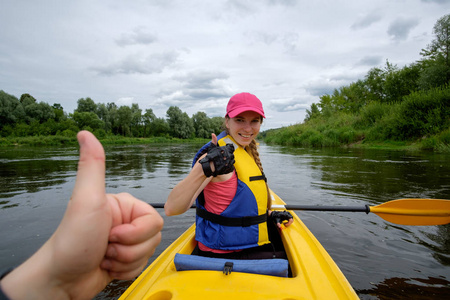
(424, 113)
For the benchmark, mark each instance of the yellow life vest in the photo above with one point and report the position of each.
(249, 203)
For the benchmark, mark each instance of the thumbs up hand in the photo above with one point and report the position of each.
(100, 238)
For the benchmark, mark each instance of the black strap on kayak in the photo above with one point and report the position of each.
(227, 221)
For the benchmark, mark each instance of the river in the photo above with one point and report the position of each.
(380, 259)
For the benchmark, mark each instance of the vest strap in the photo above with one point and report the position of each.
(261, 177)
(227, 221)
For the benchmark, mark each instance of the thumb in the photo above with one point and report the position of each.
(213, 138)
(90, 182)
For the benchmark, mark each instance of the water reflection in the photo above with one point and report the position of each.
(408, 288)
(441, 244)
(379, 176)
(32, 170)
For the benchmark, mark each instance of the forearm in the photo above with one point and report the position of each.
(32, 280)
(186, 191)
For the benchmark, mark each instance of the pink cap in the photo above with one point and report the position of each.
(244, 102)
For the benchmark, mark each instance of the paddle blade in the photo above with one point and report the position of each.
(414, 211)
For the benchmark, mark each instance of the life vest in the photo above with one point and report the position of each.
(243, 223)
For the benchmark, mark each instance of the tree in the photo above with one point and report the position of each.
(436, 62)
(113, 117)
(11, 110)
(201, 124)
(87, 119)
(313, 113)
(86, 105)
(148, 118)
(39, 112)
(400, 83)
(27, 99)
(217, 125)
(180, 124)
(136, 119)
(441, 43)
(59, 112)
(160, 127)
(374, 81)
(103, 114)
(124, 117)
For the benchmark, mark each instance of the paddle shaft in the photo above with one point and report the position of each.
(401, 211)
(364, 208)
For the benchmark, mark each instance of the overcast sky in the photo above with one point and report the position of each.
(195, 54)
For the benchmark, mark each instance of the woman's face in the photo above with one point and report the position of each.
(244, 127)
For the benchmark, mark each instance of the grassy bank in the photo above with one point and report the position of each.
(57, 140)
(420, 122)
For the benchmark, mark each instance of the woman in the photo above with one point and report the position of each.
(228, 182)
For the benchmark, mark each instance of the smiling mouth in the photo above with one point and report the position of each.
(245, 135)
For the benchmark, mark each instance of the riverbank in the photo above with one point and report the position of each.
(430, 144)
(57, 140)
(310, 135)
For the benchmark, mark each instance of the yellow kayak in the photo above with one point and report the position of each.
(313, 273)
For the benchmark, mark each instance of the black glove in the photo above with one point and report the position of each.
(279, 216)
(222, 158)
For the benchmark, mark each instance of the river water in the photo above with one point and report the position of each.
(380, 259)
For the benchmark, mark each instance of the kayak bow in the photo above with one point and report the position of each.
(313, 273)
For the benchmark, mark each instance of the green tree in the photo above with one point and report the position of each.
(27, 99)
(180, 124)
(436, 61)
(313, 113)
(124, 118)
(374, 81)
(103, 114)
(39, 112)
(202, 125)
(86, 105)
(148, 118)
(217, 124)
(136, 120)
(86, 120)
(113, 117)
(401, 82)
(160, 127)
(59, 112)
(11, 110)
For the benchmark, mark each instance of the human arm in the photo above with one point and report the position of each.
(215, 165)
(187, 190)
(100, 238)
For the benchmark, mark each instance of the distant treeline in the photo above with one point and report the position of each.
(27, 117)
(391, 104)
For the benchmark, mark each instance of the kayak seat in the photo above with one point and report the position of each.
(273, 267)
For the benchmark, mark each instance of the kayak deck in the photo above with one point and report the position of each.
(314, 275)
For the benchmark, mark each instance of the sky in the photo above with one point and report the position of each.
(196, 54)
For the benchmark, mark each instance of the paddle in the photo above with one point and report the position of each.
(401, 211)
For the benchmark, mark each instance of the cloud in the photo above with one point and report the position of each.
(400, 28)
(371, 60)
(436, 1)
(202, 85)
(287, 105)
(138, 64)
(135, 37)
(249, 6)
(201, 79)
(366, 20)
(126, 101)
